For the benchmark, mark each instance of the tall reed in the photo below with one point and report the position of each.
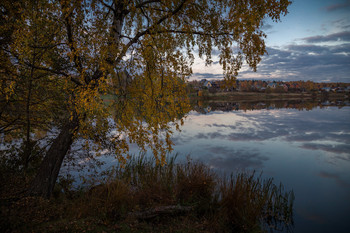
(238, 203)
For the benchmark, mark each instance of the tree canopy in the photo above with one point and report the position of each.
(61, 58)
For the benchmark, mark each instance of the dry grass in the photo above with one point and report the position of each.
(242, 203)
(248, 201)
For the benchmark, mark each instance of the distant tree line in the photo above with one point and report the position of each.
(267, 86)
(205, 107)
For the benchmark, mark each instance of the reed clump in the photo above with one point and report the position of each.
(144, 196)
(249, 203)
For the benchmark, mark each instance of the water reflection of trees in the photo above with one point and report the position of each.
(146, 112)
(141, 113)
(208, 106)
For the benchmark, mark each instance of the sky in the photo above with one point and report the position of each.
(312, 42)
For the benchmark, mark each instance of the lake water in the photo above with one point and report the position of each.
(304, 146)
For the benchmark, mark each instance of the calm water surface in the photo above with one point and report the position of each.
(304, 146)
(306, 150)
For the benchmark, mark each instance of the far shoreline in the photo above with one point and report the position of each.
(256, 96)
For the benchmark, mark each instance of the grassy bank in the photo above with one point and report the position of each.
(146, 197)
(252, 96)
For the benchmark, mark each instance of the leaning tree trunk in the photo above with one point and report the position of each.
(44, 181)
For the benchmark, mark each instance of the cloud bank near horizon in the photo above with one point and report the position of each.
(310, 60)
(311, 43)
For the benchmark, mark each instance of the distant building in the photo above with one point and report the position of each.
(272, 85)
(285, 87)
(326, 89)
(207, 84)
(215, 85)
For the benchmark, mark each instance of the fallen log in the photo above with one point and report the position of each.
(160, 211)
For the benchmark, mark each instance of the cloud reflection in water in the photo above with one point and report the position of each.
(308, 151)
(231, 160)
(325, 129)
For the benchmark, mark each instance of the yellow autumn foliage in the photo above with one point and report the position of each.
(59, 58)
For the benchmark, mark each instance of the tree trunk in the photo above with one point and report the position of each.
(28, 148)
(44, 181)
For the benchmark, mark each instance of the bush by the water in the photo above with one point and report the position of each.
(147, 197)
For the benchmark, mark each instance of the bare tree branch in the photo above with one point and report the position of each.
(73, 79)
(148, 30)
(194, 32)
(142, 4)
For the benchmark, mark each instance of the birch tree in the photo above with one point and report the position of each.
(63, 56)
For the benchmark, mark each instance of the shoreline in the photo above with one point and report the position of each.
(256, 96)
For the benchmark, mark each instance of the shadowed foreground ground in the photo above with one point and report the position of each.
(145, 197)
